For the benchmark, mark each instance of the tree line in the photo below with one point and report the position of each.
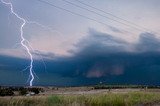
(10, 91)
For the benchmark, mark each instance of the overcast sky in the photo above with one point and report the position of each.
(65, 34)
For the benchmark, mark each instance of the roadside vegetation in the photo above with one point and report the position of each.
(106, 99)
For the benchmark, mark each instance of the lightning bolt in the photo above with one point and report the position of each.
(26, 44)
(23, 40)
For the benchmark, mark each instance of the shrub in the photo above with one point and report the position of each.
(35, 90)
(6, 92)
(23, 91)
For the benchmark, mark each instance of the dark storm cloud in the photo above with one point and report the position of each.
(97, 42)
(148, 42)
(99, 57)
(10, 70)
(103, 57)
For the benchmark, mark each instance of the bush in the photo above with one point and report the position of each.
(35, 90)
(6, 92)
(22, 91)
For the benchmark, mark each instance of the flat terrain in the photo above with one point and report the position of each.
(91, 90)
(86, 96)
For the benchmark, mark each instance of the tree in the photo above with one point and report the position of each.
(22, 91)
(6, 92)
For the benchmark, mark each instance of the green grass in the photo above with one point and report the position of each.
(108, 99)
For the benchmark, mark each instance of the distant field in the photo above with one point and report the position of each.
(83, 97)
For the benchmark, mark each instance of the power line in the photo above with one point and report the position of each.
(102, 15)
(74, 13)
(115, 16)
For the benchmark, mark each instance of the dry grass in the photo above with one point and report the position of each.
(108, 99)
(23, 101)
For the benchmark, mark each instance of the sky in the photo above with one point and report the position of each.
(112, 41)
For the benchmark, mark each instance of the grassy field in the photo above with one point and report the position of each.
(106, 99)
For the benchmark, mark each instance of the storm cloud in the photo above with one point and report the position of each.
(97, 57)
